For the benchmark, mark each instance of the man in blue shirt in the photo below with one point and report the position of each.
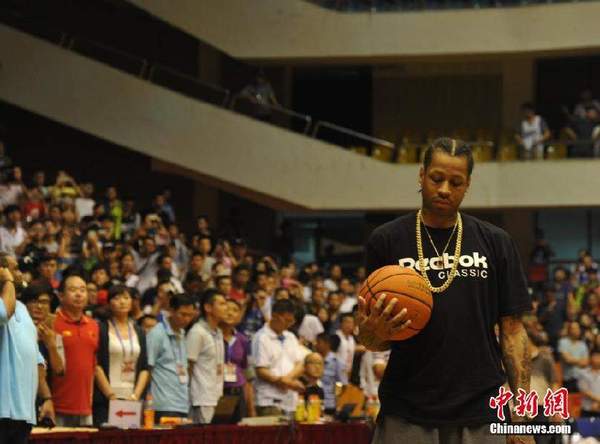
(167, 358)
(334, 370)
(19, 360)
(574, 355)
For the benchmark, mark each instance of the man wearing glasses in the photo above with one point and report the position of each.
(313, 372)
(38, 299)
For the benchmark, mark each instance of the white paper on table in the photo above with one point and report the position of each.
(124, 414)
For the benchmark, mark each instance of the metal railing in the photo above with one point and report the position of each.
(274, 114)
(34, 27)
(188, 85)
(422, 5)
(351, 139)
(112, 56)
(562, 149)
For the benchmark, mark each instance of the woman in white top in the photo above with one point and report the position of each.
(122, 363)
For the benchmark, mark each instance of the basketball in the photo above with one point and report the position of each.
(408, 287)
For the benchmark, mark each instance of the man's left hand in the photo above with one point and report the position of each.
(47, 410)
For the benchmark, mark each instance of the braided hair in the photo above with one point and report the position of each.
(453, 147)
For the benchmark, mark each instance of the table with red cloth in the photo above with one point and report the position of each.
(336, 433)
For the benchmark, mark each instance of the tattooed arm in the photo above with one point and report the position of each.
(515, 353)
(369, 339)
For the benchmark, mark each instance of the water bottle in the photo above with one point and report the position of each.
(149, 412)
(376, 407)
(314, 408)
(369, 407)
(300, 415)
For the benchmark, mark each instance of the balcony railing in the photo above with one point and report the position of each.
(275, 114)
(355, 141)
(188, 85)
(403, 150)
(421, 5)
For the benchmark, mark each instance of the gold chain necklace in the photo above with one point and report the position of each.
(433, 243)
(457, 250)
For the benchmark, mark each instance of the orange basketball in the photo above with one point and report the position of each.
(408, 287)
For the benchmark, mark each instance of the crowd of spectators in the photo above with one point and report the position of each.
(563, 328)
(125, 306)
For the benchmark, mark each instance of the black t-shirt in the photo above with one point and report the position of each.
(446, 374)
(312, 390)
(583, 128)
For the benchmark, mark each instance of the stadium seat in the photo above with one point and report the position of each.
(564, 134)
(407, 152)
(507, 137)
(476, 150)
(432, 135)
(352, 394)
(484, 135)
(483, 151)
(488, 152)
(359, 150)
(507, 153)
(411, 135)
(383, 153)
(461, 133)
(556, 151)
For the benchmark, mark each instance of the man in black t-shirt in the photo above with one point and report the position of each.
(437, 385)
(584, 130)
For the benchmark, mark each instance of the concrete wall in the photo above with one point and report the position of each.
(292, 29)
(268, 164)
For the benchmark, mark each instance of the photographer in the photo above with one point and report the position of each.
(66, 189)
(146, 263)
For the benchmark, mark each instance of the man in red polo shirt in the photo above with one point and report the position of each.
(72, 392)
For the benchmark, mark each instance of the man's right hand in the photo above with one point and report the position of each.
(8, 291)
(291, 384)
(378, 325)
(5, 275)
(47, 335)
